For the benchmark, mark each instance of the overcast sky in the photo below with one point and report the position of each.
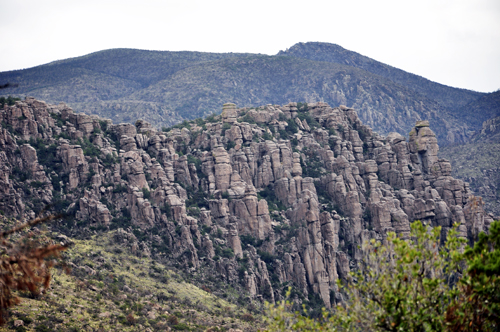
(455, 42)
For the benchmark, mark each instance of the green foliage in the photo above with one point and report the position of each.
(312, 166)
(212, 118)
(146, 193)
(104, 125)
(122, 221)
(47, 156)
(181, 327)
(401, 286)
(183, 124)
(247, 240)
(109, 160)
(266, 136)
(309, 119)
(302, 107)
(477, 306)
(230, 145)
(9, 101)
(58, 119)
(197, 199)
(225, 126)
(167, 210)
(88, 148)
(194, 212)
(20, 175)
(292, 127)
(224, 252)
(274, 204)
(247, 118)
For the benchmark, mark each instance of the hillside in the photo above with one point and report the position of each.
(166, 87)
(448, 97)
(247, 203)
(478, 162)
(109, 288)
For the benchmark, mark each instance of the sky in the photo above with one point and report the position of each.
(453, 42)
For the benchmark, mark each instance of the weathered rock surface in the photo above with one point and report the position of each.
(263, 197)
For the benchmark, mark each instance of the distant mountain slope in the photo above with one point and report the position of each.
(167, 87)
(110, 74)
(197, 90)
(478, 162)
(485, 108)
(447, 96)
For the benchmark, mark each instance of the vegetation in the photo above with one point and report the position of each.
(169, 87)
(477, 305)
(478, 164)
(25, 263)
(410, 285)
(8, 100)
(111, 290)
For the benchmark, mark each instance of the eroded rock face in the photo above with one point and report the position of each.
(262, 197)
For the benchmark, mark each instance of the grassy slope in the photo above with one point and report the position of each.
(123, 285)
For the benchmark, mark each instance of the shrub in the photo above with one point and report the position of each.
(247, 118)
(302, 107)
(131, 319)
(477, 305)
(402, 286)
(25, 264)
(212, 118)
(247, 318)
(173, 320)
(266, 136)
(292, 126)
(9, 100)
(181, 327)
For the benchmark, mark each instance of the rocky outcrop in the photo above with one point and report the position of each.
(266, 197)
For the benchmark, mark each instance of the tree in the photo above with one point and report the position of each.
(404, 285)
(477, 305)
(25, 263)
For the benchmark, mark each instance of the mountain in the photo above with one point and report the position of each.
(166, 87)
(448, 97)
(246, 203)
(478, 112)
(478, 161)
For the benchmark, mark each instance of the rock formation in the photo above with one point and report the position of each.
(264, 197)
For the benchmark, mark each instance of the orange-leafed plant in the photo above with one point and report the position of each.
(25, 262)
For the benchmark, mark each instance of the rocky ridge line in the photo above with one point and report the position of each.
(262, 198)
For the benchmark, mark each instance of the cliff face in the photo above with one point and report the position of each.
(262, 198)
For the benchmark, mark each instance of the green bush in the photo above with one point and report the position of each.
(181, 327)
(266, 136)
(9, 100)
(292, 127)
(247, 118)
(410, 285)
(477, 304)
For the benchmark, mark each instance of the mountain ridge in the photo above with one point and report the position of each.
(103, 79)
(335, 53)
(254, 199)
